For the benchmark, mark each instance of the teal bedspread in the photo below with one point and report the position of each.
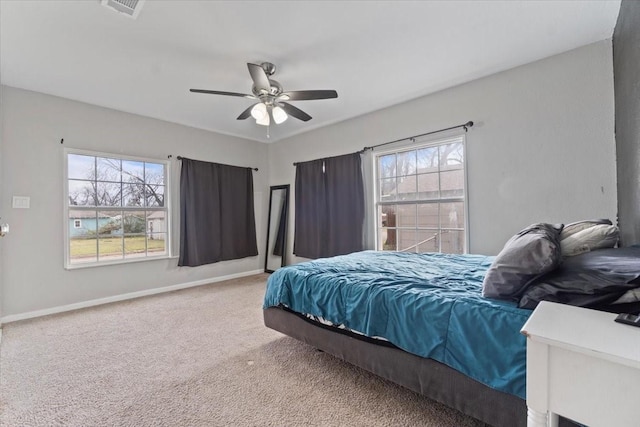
(426, 304)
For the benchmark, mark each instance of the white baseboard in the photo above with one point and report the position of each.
(122, 297)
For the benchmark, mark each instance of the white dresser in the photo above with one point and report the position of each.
(581, 365)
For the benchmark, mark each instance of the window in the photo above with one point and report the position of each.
(421, 198)
(116, 209)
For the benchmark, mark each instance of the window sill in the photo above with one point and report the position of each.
(118, 262)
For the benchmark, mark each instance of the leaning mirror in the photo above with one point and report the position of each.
(277, 228)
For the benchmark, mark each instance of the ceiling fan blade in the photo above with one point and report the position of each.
(304, 95)
(295, 112)
(246, 113)
(259, 77)
(217, 92)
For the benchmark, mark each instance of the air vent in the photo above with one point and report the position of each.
(130, 8)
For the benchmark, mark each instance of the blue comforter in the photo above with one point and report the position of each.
(426, 304)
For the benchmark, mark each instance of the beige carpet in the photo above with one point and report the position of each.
(196, 357)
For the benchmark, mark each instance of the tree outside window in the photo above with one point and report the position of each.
(421, 198)
(120, 204)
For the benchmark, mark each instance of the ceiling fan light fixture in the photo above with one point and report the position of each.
(264, 121)
(279, 115)
(271, 105)
(259, 112)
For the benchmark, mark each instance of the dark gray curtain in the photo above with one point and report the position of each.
(310, 209)
(217, 221)
(345, 204)
(329, 207)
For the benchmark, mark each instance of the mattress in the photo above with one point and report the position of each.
(429, 305)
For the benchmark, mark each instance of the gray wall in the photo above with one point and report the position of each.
(33, 276)
(626, 63)
(543, 148)
(1, 204)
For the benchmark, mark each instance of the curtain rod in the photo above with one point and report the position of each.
(466, 127)
(180, 158)
(325, 158)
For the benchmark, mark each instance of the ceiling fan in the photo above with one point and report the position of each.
(271, 104)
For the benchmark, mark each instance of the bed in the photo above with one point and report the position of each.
(421, 321)
(315, 302)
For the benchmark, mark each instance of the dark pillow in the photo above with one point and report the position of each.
(592, 279)
(530, 253)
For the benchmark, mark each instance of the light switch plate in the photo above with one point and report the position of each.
(21, 202)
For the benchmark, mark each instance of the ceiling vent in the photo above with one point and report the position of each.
(130, 8)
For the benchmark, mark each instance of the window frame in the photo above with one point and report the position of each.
(415, 145)
(167, 209)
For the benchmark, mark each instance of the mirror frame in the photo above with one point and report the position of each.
(273, 188)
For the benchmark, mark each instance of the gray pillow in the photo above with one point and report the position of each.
(599, 236)
(530, 253)
(575, 227)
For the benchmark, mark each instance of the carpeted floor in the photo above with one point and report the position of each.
(196, 357)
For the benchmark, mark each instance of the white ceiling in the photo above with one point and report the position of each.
(375, 54)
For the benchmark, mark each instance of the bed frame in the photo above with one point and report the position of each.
(425, 376)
